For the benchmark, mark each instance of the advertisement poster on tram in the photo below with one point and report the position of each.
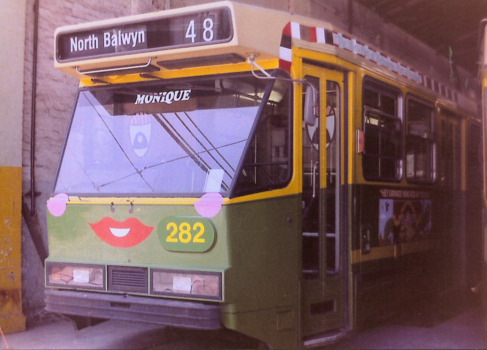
(404, 217)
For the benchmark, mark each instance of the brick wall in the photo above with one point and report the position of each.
(55, 95)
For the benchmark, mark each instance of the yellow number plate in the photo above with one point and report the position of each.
(186, 234)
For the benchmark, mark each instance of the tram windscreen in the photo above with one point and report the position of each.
(176, 139)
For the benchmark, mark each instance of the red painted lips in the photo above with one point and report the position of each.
(121, 234)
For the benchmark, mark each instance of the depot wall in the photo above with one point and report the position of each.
(46, 120)
(54, 95)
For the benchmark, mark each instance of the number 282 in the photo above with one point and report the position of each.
(186, 233)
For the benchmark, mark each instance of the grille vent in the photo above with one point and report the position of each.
(128, 279)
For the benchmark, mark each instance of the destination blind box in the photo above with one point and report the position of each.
(194, 29)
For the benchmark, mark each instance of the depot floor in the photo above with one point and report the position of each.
(462, 330)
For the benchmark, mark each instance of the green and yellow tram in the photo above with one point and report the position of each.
(229, 166)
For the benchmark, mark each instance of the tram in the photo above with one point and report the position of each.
(290, 186)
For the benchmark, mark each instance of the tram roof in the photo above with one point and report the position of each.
(451, 28)
(248, 34)
(127, 44)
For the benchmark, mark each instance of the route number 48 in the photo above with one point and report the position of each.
(207, 28)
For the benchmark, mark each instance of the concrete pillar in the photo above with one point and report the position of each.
(12, 27)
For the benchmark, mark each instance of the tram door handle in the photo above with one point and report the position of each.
(315, 168)
(365, 233)
(307, 207)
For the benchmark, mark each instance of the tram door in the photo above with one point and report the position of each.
(450, 179)
(322, 287)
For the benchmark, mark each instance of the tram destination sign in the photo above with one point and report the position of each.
(178, 31)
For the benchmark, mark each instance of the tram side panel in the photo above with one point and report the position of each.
(262, 292)
(399, 261)
(474, 204)
(407, 243)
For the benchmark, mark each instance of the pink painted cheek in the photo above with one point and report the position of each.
(57, 204)
(209, 204)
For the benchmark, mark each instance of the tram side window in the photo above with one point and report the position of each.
(382, 158)
(420, 142)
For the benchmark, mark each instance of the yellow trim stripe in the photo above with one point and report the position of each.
(178, 200)
(180, 73)
(394, 251)
(132, 200)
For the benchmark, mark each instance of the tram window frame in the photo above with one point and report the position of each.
(268, 130)
(276, 120)
(420, 141)
(449, 149)
(382, 107)
(474, 154)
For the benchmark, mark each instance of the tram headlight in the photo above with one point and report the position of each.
(75, 275)
(204, 285)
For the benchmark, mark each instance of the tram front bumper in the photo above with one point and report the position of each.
(176, 313)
